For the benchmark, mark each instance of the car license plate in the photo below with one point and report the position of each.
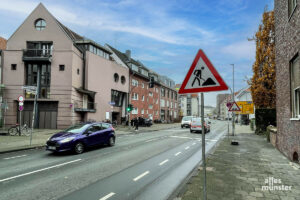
(51, 148)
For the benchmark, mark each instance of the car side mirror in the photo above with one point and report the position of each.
(88, 133)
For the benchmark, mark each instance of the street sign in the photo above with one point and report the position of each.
(202, 77)
(21, 108)
(28, 87)
(112, 103)
(21, 103)
(20, 98)
(247, 107)
(234, 107)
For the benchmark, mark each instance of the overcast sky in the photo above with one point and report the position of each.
(163, 34)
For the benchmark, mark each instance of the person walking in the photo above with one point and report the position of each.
(136, 123)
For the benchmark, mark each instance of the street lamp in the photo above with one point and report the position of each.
(233, 114)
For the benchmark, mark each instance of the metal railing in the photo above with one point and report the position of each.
(85, 105)
(37, 53)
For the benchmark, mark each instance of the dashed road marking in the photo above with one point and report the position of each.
(163, 162)
(141, 176)
(39, 170)
(177, 153)
(150, 140)
(186, 148)
(194, 143)
(14, 157)
(107, 196)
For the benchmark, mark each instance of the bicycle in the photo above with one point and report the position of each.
(15, 130)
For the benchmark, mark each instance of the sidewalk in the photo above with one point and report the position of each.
(40, 136)
(240, 172)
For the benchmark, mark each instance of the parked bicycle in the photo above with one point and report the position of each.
(15, 130)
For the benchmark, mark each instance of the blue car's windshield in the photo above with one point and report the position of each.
(78, 128)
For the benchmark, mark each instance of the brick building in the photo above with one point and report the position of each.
(157, 103)
(287, 41)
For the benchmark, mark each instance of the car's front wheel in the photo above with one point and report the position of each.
(79, 148)
(111, 141)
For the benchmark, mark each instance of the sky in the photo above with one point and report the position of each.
(165, 35)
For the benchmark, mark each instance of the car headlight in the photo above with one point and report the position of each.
(67, 139)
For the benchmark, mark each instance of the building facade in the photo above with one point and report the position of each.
(74, 77)
(189, 104)
(3, 105)
(287, 48)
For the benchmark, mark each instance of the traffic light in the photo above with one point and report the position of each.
(129, 108)
(151, 83)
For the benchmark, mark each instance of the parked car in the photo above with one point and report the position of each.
(143, 121)
(80, 136)
(186, 121)
(196, 125)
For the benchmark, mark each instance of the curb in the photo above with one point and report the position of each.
(22, 149)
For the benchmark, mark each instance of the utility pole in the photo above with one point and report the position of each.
(233, 113)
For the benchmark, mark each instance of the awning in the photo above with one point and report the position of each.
(88, 92)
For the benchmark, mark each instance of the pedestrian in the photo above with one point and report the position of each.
(136, 123)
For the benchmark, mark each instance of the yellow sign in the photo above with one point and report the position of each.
(247, 107)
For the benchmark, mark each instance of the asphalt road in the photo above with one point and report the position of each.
(134, 168)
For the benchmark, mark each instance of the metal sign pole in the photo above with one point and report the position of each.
(203, 146)
(20, 123)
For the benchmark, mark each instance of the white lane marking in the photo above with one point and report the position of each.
(14, 157)
(194, 143)
(39, 170)
(211, 140)
(150, 140)
(141, 176)
(177, 153)
(182, 137)
(186, 148)
(108, 196)
(163, 162)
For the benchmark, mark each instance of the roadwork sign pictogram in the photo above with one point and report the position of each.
(202, 77)
(234, 107)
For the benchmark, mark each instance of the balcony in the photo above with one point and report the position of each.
(37, 55)
(83, 106)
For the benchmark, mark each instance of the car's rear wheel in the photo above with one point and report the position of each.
(111, 141)
(79, 148)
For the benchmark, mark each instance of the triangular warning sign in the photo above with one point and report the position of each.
(234, 107)
(202, 77)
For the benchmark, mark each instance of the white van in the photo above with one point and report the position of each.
(186, 121)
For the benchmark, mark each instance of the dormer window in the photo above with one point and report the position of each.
(40, 24)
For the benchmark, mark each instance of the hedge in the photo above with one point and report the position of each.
(263, 118)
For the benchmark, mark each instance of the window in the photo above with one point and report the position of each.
(150, 106)
(167, 103)
(295, 86)
(156, 101)
(13, 66)
(116, 77)
(134, 67)
(40, 24)
(163, 92)
(142, 111)
(135, 96)
(143, 98)
(123, 80)
(150, 94)
(143, 85)
(39, 49)
(31, 79)
(61, 67)
(78, 71)
(291, 6)
(135, 111)
(162, 103)
(117, 97)
(171, 104)
(156, 112)
(144, 72)
(135, 82)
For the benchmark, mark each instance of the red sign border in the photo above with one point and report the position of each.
(222, 85)
(235, 110)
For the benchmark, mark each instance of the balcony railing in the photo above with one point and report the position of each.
(37, 55)
(80, 106)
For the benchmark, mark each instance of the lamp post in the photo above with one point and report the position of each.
(233, 100)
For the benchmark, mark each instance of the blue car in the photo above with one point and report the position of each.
(80, 136)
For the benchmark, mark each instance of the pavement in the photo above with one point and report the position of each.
(40, 136)
(254, 169)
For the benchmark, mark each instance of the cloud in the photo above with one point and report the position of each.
(240, 50)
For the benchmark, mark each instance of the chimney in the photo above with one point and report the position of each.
(128, 54)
